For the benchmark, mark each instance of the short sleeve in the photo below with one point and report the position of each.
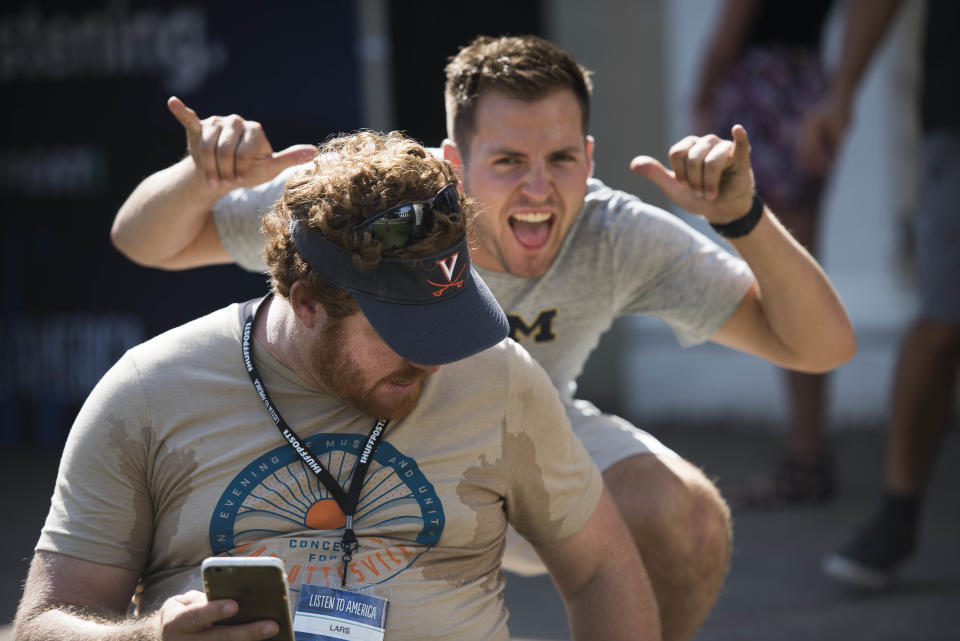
(553, 484)
(237, 218)
(101, 509)
(669, 270)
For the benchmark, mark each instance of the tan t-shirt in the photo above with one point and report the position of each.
(173, 458)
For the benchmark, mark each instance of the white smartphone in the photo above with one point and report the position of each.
(257, 584)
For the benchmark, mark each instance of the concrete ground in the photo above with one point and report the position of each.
(774, 590)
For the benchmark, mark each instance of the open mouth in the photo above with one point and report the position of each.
(532, 229)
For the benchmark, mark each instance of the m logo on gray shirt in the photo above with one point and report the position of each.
(543, 327)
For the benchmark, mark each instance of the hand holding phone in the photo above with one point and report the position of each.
(257, 584)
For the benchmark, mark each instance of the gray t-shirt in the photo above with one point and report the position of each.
(620, 256)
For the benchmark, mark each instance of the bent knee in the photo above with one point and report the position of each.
(669, 504)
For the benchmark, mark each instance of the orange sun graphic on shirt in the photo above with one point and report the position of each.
(277, 495)
(325, 514)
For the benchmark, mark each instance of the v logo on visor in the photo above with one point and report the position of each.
(447, 265)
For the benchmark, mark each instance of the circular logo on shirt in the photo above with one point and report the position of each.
(278, 498)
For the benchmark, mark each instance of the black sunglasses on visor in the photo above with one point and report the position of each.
(406, 222)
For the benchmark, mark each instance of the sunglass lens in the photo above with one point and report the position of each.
(392, 234)
(448, 200)
(397, 226)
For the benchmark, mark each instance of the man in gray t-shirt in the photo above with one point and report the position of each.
(564, 255)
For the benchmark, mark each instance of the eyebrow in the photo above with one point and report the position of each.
(506, 151)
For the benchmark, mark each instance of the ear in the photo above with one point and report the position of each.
(451, 153)
(590, 145)
(306, 308)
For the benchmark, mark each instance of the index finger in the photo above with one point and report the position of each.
(678, 158)
(184, 115)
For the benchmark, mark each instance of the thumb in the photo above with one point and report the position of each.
(292, 155)
(651, 169)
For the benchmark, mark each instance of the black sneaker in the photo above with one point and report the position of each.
(871, 559)
(796, 481)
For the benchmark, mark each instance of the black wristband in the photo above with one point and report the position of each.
(743, 225)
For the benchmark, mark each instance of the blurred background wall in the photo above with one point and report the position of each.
(84, 86)
(864, 244)
(648, 55)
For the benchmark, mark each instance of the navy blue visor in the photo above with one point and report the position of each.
(430, 310)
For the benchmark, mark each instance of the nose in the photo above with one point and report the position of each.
(537, 182)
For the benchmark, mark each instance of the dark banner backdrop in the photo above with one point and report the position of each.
(84, 88)
(424, 34)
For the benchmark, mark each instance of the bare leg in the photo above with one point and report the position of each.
(923, 392)
(806, 391)
(681, 526)
(924, 385)
(806, 428)
(805, 474)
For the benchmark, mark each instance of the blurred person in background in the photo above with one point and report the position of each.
(925, 376)
(762, 69)
(565, 255)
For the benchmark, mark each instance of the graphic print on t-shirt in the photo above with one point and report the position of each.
(541, 329)
(277, 497)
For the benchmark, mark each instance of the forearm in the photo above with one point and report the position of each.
(165, 215)
(618, 604)
(56, 624)
(808, 325)
(865, 24)
(734, 20)
(602, 580)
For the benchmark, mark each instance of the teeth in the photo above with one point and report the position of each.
(532, 217)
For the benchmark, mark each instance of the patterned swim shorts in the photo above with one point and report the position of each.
(768, 91)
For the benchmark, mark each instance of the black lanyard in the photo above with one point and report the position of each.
(346, 500)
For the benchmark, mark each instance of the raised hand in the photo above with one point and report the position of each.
(231, 151)
(822, 132)
(710, 176)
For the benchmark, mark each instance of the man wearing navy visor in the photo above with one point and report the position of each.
(317, 425)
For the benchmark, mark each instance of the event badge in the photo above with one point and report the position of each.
(332, 614)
